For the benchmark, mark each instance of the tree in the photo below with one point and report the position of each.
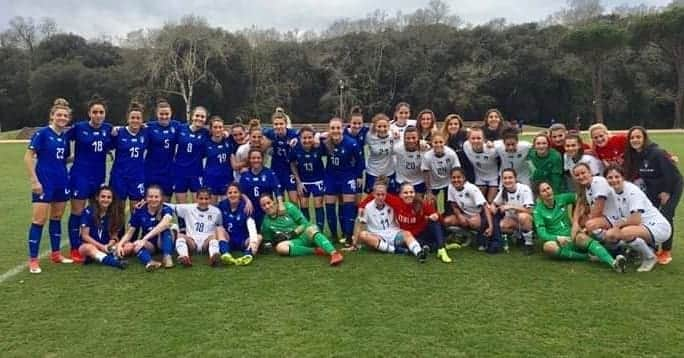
(181, 55)
(26, 34)
(594, 43)
(664, 31)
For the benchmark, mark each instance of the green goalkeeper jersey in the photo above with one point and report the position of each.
(548, 168)
(555, 221)
(286, 223)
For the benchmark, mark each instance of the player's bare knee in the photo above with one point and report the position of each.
(525, 220)
(283, 248)
(581, 240)
(551, 248)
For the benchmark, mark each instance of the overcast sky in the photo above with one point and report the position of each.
(95, 18)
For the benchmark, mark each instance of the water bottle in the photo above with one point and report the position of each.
(505, 239)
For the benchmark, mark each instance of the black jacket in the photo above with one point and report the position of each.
(658, 172)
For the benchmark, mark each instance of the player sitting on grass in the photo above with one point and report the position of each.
(239, 228)
(154, 220)
(597, 205)
(100, 226)
(469, 206)
(382, 231)
(513, 205)
(554, 228)
(290, 234)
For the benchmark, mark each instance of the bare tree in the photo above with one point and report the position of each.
(26, 34)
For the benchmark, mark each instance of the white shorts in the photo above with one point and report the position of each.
(199, 241)
(390, 236)
(660, 230)
(490, 182)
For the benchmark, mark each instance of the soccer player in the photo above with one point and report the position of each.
(456, 135)
(641, 225)
(357, 131)
(547, 163)
(45, 162)
(306, 162)
(188, 166)
(92, 141)
(344, 162)
(161, 149)
(256, 141)
(427, 125)
(554, 228)
(437, 163)
(202, 221)
(661, 177)
(513, 154)
(402, 112)
(154, 220)
(127, 176)
(609, 148)
(219, 150)
(408, 159)
(468, 207)
(597, 205)
(381, 229)
(416, 216)
(493, 125)
(290, 233)
(101, 224)
(513, 206)
(485, 162)
(280, 137)
(380, 161)
(239, 228)
(575, 153)
(259, 180)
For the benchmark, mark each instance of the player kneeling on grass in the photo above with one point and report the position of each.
(154, 220)
(100, 226)
(239, 228)
(642, 226)
(202, 221)
(513, 206)
(468, 207)
(382, 231)
(554, 228)
(290, 234)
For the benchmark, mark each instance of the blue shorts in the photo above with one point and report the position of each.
(183, 184)
(82, 187)
(50, 194)
(237, 243)
(391, 184)
(127, 188)
(420, 188)
(339, 185)
(218, 184)
(286, 180)
(314, 189)
(165, 182)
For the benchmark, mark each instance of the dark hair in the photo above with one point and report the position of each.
(156, 187)
(509, 133)
(581, 190)
(96, 100)
(381, 181)
(504, 192)
(632, 160)
(306, 129)
(417, 204)
(457, 169)
(135, 106)
(113, 212)
(215, 119)
(614, 167)
(580, 144)
(557, 126)
(254, 150)
(162, 103)
(356, 111)
(538, 184)
(203, 190)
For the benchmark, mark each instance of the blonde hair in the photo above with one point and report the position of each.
(598, 126)
(60, 103)
(377, 118)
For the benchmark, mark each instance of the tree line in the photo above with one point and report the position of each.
(623, 68)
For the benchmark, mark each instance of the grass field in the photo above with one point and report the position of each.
(373, 305)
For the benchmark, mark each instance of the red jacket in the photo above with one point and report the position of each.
(614, 151)
(406, 217)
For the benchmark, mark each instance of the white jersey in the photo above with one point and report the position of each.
(516, 160)
(469, 198)
(408, 165)
(394, 128)
(599, 188)
(485, 164)
(381, 221)
(522, 196)
(379, 161)
(594, 163)
(439, 167)
(199, 224)
(632, 200)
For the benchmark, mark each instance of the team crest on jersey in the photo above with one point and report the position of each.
(263, 177)
(86, 133)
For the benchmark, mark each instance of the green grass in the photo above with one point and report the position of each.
(373, 305)
(9, 134)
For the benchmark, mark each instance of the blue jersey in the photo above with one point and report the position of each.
(52, 150)
(161, 148)
(234, 221)
(90, 149)
(345, 159)
(98, 227)
(191, 150)
(281, 149)
(129, 160)
(218, 158)
(253, 185)
(360, 137)
(309, 163)
(143, 220)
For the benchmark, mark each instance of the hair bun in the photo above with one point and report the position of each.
(61, 102)
(161, 100)
(135, 106)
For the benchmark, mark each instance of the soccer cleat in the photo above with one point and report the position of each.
(76, 256)
(647, 264)
(453, 246)
(665, 257)
(167, 261)
(152, 266)
(336, 258)
(423, 254)
(214, 259)
(34, 266)
(228, 259)
(122, 264)
(244, 260)
(481, 248)
(319, 252)
(528, 250)
(57, 258)
(444, 256)
(620, 264)
(183, 260)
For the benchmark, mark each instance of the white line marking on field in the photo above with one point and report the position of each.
(19, 268)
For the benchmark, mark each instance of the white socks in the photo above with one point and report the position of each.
(527, 237)
(642, 247)
(213, 247)
(99, 256)
(415, 248)
(181, 247)
(385, 247)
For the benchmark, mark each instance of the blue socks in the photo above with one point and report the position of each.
(320, 218)
(112, 261)
(34, 234)
(55, 229)
(306, 213)
(166, 243)
(331, 214)
(224, 247)
(144, 256)
(348, 217)
(74, 225)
